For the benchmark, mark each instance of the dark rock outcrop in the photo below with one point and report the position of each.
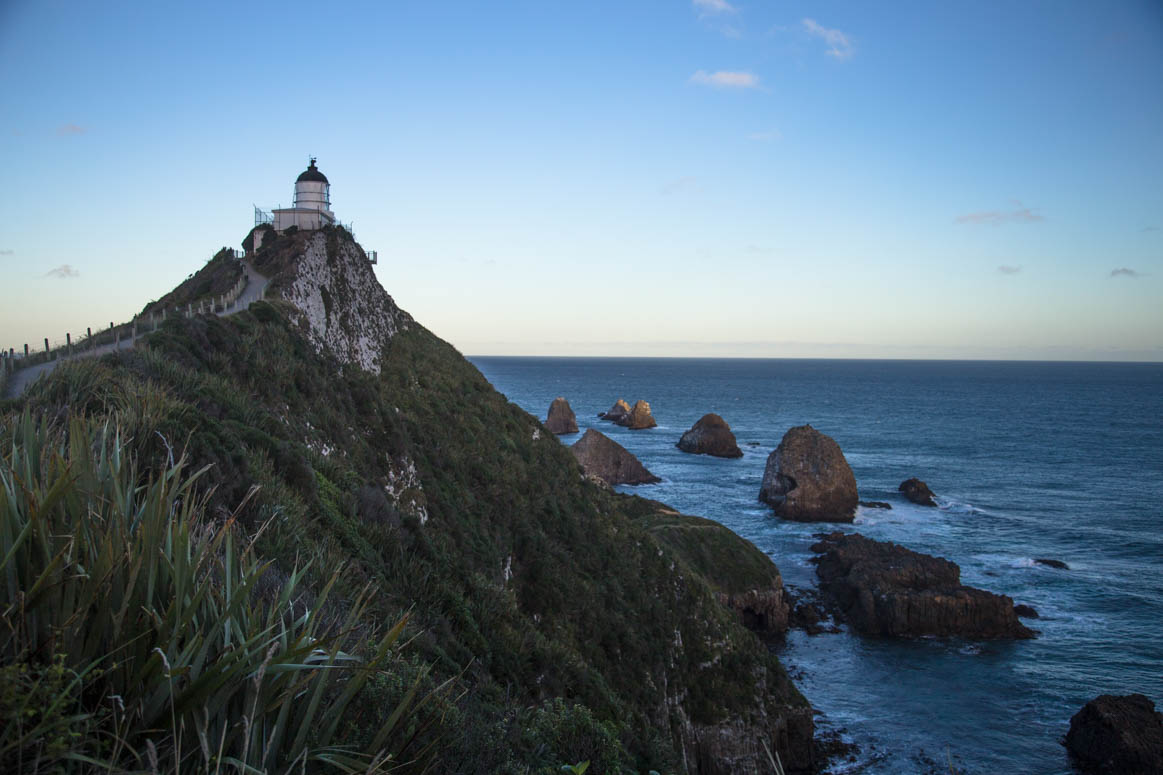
(1058, 564)
(561, 418)
(918, 492)
(876, 505)
(617, 412)
(639, 417)
(710, 436)
(608, 460)
(886, 590)
(1025, 611)
(1115, 735)
(807, 479)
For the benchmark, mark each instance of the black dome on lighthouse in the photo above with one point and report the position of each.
(312, 175)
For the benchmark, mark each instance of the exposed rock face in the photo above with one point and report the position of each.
(617, 412)
(1115, 735)
(886, 590)
(1057, 564)
(639, 417)
(345, 310)
(918, 492)
(807, 479)
(735, 747)
(710, 436)
(608, 460)
(561, 418)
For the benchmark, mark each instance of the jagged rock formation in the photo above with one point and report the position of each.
(918, 492)
(639, 417)
(1025, 611)
(608, 460)
(711, 435)
(343, 308)
(1115, 735)
(886, 590)
(807, 479)
(561, 418)
(617, 412)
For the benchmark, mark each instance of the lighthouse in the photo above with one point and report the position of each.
(312, 203)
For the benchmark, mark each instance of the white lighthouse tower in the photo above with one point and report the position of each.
(312, 203)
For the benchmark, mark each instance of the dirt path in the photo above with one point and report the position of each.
(256, 286)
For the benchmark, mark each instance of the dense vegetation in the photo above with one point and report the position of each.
(544, 610)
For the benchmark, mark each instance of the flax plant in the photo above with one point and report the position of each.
(134, 635)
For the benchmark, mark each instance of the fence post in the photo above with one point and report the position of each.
(26, 349)
(46, 351)
(69, 343)
(133, 333)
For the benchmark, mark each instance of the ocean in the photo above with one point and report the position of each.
(1028, 460)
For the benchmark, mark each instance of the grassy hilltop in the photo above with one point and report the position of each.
(211, 540)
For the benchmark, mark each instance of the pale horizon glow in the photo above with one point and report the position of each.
(703, 179)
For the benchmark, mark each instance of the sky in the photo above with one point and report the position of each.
(708, 178)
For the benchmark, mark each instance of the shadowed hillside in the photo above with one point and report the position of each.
(574, 623)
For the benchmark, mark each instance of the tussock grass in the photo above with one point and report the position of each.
(135, 634)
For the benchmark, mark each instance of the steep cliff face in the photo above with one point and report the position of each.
(327, 277)
(378, 448)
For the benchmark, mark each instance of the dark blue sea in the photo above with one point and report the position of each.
(1028, 460)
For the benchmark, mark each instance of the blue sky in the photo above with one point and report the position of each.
(952, 180)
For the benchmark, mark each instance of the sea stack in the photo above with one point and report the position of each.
(807, 479)
(606, 459)
(561, 418)
(616, 412)
(710, 436)
(918, 492)
(1116, 735)
(639, 418)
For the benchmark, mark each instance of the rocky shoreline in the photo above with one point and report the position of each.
(879, 589)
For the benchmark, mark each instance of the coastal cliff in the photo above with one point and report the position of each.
(553, 604)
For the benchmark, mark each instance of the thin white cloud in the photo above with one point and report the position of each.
(1125, 272)
(726, 79)
(765, 137)
(713, 6)
(994, 217)
(7, 252)
(63, 272)
(1004, 269)
(839, 45)
(71, 129)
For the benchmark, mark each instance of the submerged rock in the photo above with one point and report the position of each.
(1025, 611)
(807, 479)
(561, 418)
(608, 460)
(1052, 563)
(710, 436)
(876, 505)
(1115, 735)
(639, 417)
(918, 492)
(616, 412)
(886, 590)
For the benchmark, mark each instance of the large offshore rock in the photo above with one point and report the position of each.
(561, 418)
(807, 479)
(608, 460)
(886, 590)
(639, 417)
(711, 435)
(1115, 735)
(617, 412)
(917, 491)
